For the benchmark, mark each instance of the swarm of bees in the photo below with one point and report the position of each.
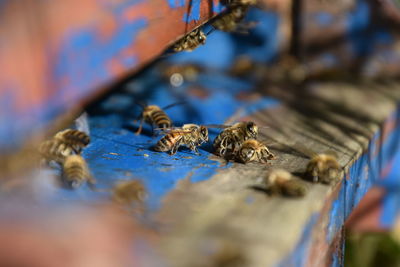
(65, 149)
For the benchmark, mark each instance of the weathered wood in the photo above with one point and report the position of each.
(266, 230)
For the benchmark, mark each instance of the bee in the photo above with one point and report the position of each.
(190, 41)
(323, 168)
(191, 135)
(76, 171)
(129, 192)
(55, 149)
(231, 20)
(232, 137)
(75, 139)
(155, 115)
(234, 3)
(281, 182)
(253, 150)
(228, 254)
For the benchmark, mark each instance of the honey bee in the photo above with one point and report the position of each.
(75, 139)
(191, 135)
(76, 171)
(323, 168)
(253, 150)
(129, 192)
(154, 115)
(190, 41)
(232, 137)
(233, 3)
(228, 254)
(55, 149)
(281, 182)
(231, 20)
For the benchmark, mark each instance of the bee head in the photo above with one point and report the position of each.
(202, 37)
(252, 129)
(204, 133)
(246, 154)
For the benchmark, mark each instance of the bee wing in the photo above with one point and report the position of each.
(173, 129)
(222, 126)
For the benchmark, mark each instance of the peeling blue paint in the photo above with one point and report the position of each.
(194, 14)
(218, 8)
(391, 200)
(84, 57)
(364, 173)
(176, 3)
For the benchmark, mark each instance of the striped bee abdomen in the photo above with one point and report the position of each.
(74, 138)
(75, 171)
(168, 142)
(161, 119)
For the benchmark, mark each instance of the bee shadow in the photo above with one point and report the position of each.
(260, 189)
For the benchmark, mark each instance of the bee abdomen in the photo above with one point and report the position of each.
(161, 119)
(75, 170)
(166, 143)
(55, 150)
(74, 137)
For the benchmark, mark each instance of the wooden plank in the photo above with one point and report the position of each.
(266, 230)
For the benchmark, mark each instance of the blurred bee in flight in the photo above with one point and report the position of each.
(76, 171)
(154, 115)
(190, 135)
(232, 137)
(254, 151)
(281, 182)
(129, 192)
(323, 168)
(190, 41)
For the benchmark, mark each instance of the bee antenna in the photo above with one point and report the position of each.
(141, 104)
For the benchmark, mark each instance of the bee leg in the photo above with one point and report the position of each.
(140, 127)
(193, 147)
(174, 149)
